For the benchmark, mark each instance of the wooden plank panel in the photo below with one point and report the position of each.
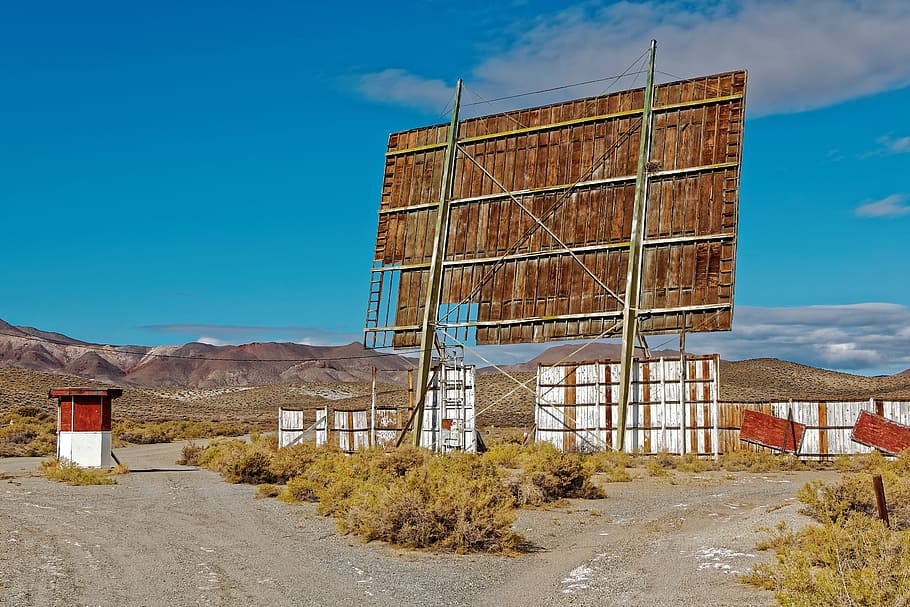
(602, 147)
(876, 431)
(771, 431)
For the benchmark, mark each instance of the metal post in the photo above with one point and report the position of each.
(633, 276)
(373, 407)
(683, 373)
(880, 501)
(434, 286)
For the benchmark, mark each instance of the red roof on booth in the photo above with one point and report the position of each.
(58, 392)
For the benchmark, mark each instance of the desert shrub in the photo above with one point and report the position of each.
(292, 461)
(854, 494)
(220, 453)
(251, 467)
(410, 498)
(148, 432)
(861, 562)
(504, 454)
(190, 454)
(455, 502)
(69, 473)
(27, 431)
(759, 461)
(557, 474)
(655, 469)
(692, 463)
(873, 462)
(602, 461)
(315, 477)
(664, 459)
(267, 490)
(611, 465)
(239, 462)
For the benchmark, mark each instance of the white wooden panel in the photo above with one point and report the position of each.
(85, 449)
(290, 427)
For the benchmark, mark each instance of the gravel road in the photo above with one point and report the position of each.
(173, 535)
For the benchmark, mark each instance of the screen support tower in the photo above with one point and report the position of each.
(434, 289)
(633, 275)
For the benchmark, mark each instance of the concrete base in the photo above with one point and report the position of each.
(85, 449)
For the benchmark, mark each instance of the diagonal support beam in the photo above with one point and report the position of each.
(540, 222)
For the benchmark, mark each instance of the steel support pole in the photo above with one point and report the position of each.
(434, 280)
(633, 275)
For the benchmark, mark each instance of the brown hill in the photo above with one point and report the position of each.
(195, 364)
(772, 379)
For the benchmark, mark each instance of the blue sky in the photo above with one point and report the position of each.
(172, 172)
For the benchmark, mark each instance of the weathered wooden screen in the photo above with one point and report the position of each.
(507, 279)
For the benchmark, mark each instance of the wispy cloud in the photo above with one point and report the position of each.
(801, 54)
(894, 205)
(400, 87)
(894, 145)
(869, 338)
(224, 335)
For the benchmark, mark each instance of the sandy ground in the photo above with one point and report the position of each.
(175, 535)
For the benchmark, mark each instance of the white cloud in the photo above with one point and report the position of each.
(801, 54)
(894, 205)
(399, 86)
(228, 335)
(869, 338)
(214, 341)
(891, 145)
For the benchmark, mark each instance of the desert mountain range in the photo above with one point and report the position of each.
(198, 365)
(193, 365)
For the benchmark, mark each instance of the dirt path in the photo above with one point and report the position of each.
(174, 535)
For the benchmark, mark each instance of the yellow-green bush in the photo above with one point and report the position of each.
(147, 432)
(409, 496)
(851, 558)
(69, 473)
(190, 454)
(504, 454)
(27, 431)
(854, 494)
(557, 474)
(759, 461)
(455, 502)
(859, 563)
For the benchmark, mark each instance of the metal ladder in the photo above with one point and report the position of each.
(370, 338)
(452, 396)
